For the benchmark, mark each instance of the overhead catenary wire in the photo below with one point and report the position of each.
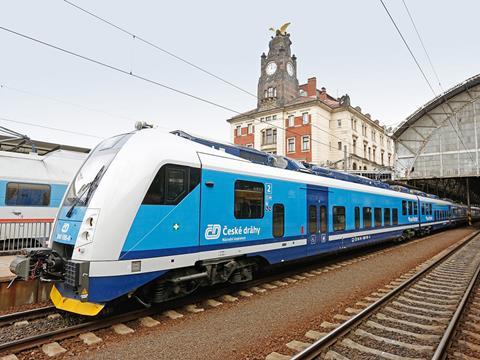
(49, 127)
(150, 43)
(148, 80)
(80, 106)
(425, 76)
(140, 38)
(460, 136)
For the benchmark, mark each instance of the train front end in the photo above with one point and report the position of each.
(80, 236)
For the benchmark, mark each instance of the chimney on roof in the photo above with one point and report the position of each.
(312, 86)
(323, 93)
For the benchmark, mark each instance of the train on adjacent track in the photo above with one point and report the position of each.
(32, 187)
(154, 216)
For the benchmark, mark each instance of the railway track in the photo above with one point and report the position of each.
(268, 281)
(418, 319)
(30, 314)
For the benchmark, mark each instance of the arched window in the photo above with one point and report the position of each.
(265, 94)
(274, 92)
(354, 166)
(364, 168)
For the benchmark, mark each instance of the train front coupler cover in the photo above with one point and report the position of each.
(43, 263)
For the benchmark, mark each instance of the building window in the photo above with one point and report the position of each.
(354, 166)
(267, 118)
(381, 157)
(365, 151)
(367, 217)
(339, 123)
(381, 140)
(278, 226)
(171, 184)
(312, 219)
(354, 145)
(369, 153)
(395, 216)
(305, 143)
(338, 218)
(339, 145)
(249, 199)
(238, 130)
(351, 123)
(26, 194)
(357, 217)
(291, 121)
(269, 137)
(275, 92)
(305, 118)
(355, 124)
(364, 168)
(250, 128)
(386, 216)
(377, 214)
(374, 150)
(272, 92)
(274, 117)
(265, 94)
(291, 145)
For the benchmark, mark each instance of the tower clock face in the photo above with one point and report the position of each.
(290, 69)
(271, 68)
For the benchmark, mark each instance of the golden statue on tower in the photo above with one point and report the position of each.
(281, 31)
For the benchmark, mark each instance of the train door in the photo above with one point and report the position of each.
(317, 219)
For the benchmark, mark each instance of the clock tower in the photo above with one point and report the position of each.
(278, 83)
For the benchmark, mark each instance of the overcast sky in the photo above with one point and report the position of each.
(350, 46)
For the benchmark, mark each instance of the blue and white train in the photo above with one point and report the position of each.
(154, 216)
(32, 187)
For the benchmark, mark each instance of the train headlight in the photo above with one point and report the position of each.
(87, 229)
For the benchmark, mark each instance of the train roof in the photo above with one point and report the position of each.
(58, 166)
(265, 159)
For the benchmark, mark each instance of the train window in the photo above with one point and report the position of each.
(26, 194)
(404, 207)
(410, 208)
(338, 218)
(278, 220)
(395, 216)
(367, 217)
(423, 208)
(249, 199)
(415, 208)
(171, 184)
(386, 217)
(323, 219)
(430, 209)
(312, 219)
(357, 217)
(377, 214)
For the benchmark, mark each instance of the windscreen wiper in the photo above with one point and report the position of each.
(90, 187)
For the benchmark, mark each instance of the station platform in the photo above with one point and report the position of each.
(19, 292)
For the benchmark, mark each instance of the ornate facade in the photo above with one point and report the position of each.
(306, 123)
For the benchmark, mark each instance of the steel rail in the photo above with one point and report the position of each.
(26, 314)
(27, 343)
(315, 350)
(441, 351)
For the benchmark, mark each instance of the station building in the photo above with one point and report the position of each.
(438, 146)
(306, 123)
